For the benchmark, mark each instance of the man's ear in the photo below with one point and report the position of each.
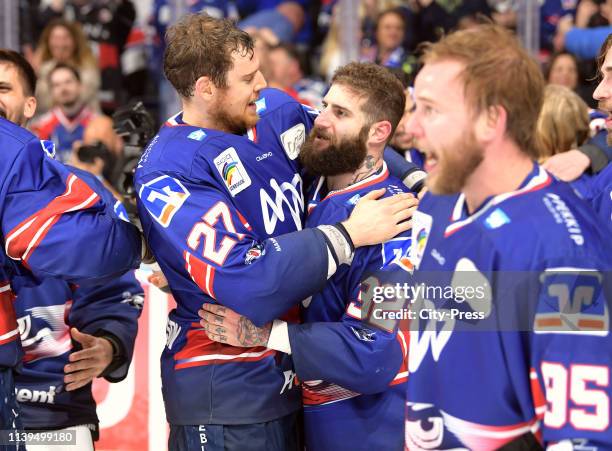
(204, 88)
(491, 123)
(29, 108)
(379, 132)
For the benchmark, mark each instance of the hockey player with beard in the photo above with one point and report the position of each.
(526, 364)
(348, 352)
(215, 212)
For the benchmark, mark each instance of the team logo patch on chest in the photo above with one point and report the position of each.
(292, 140)
(232, 171)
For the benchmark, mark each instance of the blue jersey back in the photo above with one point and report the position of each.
(514, 354)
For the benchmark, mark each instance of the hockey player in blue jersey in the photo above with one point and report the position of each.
(104, 317)
(220, 212)
(522, 359)
(349, 356)
(48, 217)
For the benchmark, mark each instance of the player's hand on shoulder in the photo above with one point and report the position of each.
(567, 166)
(376, 221)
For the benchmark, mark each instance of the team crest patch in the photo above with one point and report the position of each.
(232, 171)
(197, 135)
(256, 251)
(163, 197)
(292, 140)
(397, 252)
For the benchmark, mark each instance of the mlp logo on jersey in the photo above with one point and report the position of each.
(163, 197)
(232, 171)
(397, 252)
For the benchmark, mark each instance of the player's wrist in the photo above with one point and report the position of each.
(339, 242)
(279, 337)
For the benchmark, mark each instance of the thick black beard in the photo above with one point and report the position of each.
(341, 157)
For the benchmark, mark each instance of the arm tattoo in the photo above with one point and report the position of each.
(367, 167)
(250, 335)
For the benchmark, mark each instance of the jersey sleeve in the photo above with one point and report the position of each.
(56, 225)
(572, 355)
(112, 308)
(365, 351)
(196, 232)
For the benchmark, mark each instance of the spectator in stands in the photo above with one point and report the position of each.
(107, 24)
(282, 18)
(64, 42)
(563, 123)
(388, 51)
(563, 70)
(66, 121)
(403, 140)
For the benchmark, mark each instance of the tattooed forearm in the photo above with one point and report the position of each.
(367, 167)
(251, 335)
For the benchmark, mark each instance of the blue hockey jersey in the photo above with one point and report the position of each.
(45, 314)
(517, 340)
(49, 217)
(352, 360)
(210, 205)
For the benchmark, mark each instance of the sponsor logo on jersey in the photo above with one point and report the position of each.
(42, 396)
(572, 302)
(263, 156)
(232, 171)
(292, 140)
(275, 209)
(197, 135)
(260, 105)
(421, 226)
(496, 219)
(256, 251)
(397, 252)
(163, 197)
(48, 147)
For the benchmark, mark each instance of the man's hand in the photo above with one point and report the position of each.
(567, 166)
(376, 221)
(226, 326)
(90, 362)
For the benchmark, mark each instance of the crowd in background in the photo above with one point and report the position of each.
(91, 57)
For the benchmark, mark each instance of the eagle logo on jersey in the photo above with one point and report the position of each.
(163, 197)
(232, 171)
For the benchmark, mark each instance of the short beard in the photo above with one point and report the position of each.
(460, 161)
(340, 157)
(236, 125)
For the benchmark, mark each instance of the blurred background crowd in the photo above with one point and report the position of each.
(94, 56)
